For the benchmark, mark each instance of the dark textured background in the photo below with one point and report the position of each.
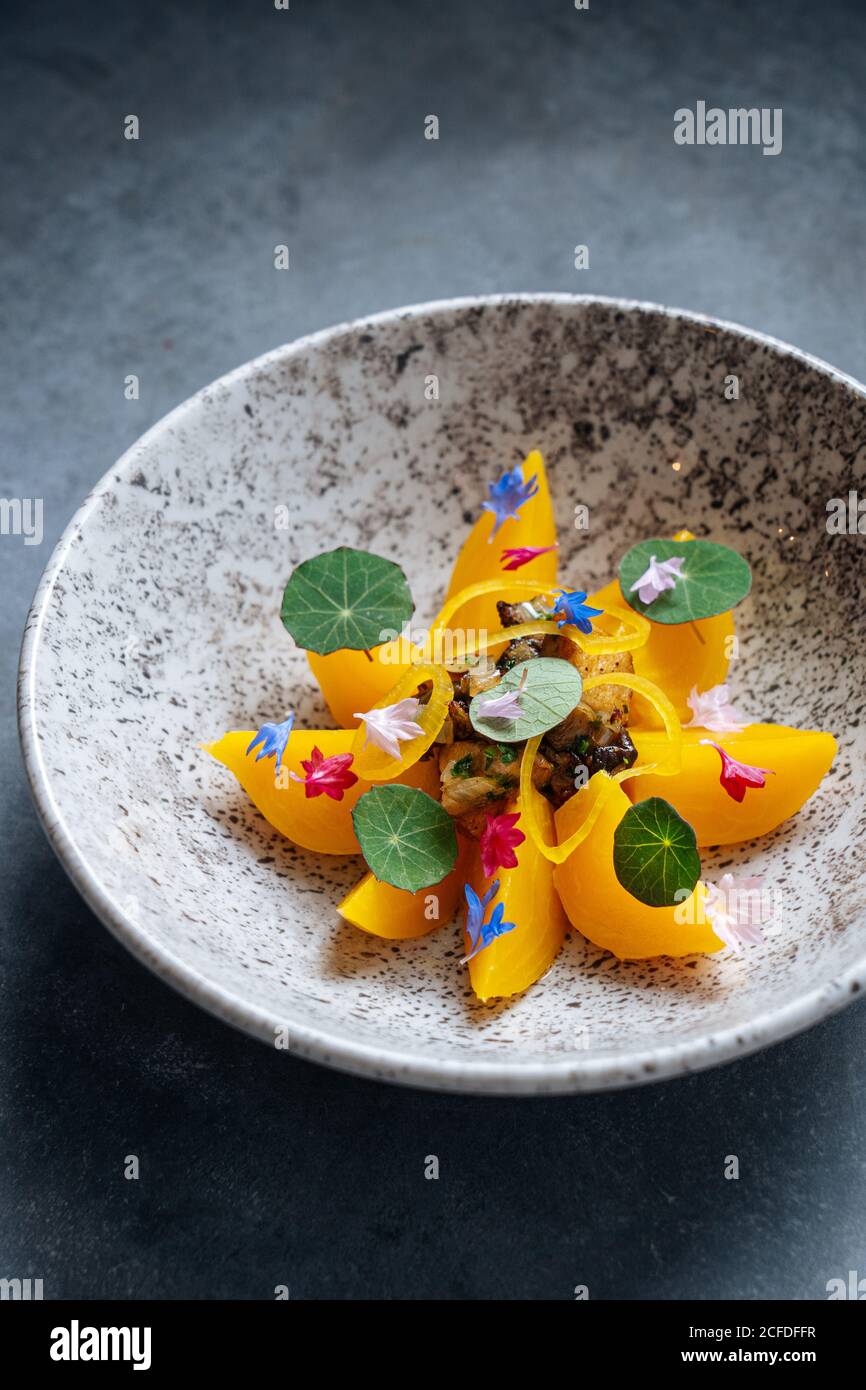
(260, 127)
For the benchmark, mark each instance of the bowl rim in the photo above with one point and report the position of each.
(605, 1071)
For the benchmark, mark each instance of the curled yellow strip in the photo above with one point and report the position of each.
(373, 764)
(637, 627)
(667, 766)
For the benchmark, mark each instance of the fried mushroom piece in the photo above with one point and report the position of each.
(558, 772)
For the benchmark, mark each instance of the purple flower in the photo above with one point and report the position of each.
(658, 576)
(571, 608)
(273, 738)
(508, 496)
(713, 710)
(737, 909)
(482, 933)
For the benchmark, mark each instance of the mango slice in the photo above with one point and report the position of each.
(316, 823)
(596, 902)
(350, 681)
(798, 758)
(479, 557)
(676, 657)
(397, 915)
(515, 961)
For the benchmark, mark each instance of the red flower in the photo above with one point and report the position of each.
(737, 777)
(498, 841)
(330, 776)
(522, 554)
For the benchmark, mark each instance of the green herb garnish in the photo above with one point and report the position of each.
(406, 837)
(345, 599)
(553, 688)
(655, 855)
(713, 579)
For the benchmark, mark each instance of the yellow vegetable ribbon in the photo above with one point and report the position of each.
(372, 763)
(667, 766)
(598, 644)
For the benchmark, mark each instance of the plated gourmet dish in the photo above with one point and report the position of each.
(539, 756)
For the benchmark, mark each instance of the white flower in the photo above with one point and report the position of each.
(736, 910)
(712, 709)
(660, 575)
(391, 725)
(505, 706)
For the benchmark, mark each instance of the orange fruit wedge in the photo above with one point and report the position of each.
(596, 902)
(798, 759)
(317, 823)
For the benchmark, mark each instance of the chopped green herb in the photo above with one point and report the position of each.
(463, 766)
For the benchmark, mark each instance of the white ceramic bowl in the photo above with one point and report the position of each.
(156, 626)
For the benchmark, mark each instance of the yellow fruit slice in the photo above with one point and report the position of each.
(479, 557)
(317, 823)
(596, 902)
(397, 915)
(351, 681)
(515, 961)
(799, 759)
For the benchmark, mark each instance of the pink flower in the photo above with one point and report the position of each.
(737, 909)
(712, 709)
(658, 576)
(737, 777)
(499, 838)
(326, 776)
(393, 724)
(522, 554)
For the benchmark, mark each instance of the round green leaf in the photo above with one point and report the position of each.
(553, 688)
(655, 854)
(345, 598)
(713, 579)
(407, 839)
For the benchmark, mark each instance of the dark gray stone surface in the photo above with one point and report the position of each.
(260, 127)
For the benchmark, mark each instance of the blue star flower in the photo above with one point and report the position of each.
(571, 608)
(482, 933)
(508, 496)
(273, 738)
(476, 909)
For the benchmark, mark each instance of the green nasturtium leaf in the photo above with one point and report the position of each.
(713, 579)
(553, 688)
(655, 854)
(406, 837)
(345, 598)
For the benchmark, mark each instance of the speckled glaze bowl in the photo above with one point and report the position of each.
(156, 626)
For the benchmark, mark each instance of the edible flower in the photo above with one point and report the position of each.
(273, 738)
(736, 910)
(392, 724)
(572, 609)
(506, 706)
(712, 709)
(482, 933)
(328, 776)
(522, 554)
(660, 575)
(508, 496)
(499, 839)
(737, 777)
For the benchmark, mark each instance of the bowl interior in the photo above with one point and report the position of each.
(157, 627)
